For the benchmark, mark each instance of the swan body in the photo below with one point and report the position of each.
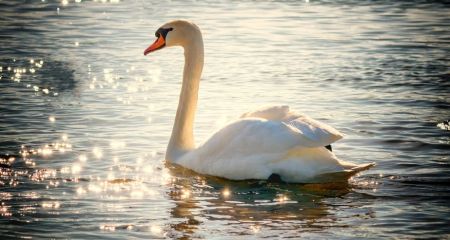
(269, 140)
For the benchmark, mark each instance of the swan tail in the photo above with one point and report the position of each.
(362, 167)
(315, 165)
(343, 176)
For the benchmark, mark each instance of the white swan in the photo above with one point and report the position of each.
(263, 143)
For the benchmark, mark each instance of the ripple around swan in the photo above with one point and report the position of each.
(85, 118)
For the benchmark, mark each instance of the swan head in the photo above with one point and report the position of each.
(175, 33)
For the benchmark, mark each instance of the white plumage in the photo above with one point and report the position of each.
(269, 140)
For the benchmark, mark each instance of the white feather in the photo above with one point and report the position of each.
(269, 140)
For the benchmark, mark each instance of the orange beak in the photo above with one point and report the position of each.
(158, 44)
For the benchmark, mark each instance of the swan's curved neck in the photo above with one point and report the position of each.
(182, 139)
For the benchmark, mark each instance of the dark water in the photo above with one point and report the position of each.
(85, 118)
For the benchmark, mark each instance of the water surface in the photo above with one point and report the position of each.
(85, 118)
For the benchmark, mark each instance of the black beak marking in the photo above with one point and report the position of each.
(162, 32)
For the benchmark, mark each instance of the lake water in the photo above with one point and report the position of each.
(85, 118)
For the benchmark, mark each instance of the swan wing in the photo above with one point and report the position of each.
(250, 135)
(319, 132)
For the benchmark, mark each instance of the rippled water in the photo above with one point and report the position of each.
(85, 117)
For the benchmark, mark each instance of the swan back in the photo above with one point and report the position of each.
(320, 133)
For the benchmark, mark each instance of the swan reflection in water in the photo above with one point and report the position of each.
(249, 207)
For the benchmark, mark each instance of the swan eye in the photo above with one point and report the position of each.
(162, 32)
